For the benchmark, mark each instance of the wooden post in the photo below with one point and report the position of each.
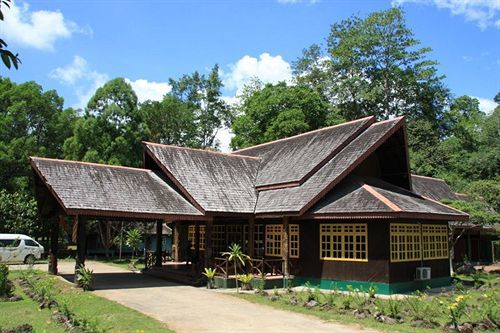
(197, 246)
(159, 243)
(251, 237)
(177, 243)
(208, 243)
(54, 246)
(286, 237)
(81, 246)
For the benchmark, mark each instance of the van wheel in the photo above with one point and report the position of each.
(30, 259)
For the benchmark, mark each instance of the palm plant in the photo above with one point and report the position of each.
(237, 256)
(133, 239)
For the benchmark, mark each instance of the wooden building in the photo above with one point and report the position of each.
(334, 206)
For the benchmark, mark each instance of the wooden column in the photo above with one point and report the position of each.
(177, 243)
(286, 237)
(54, 245)
(251, 237)
(208, 243)
(197, 241)
(159, 243)
(81, 246)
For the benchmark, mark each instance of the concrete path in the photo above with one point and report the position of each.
(190, 309)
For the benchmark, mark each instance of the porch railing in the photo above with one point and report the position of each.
(260, 267)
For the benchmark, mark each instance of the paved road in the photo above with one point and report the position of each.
(190, 309)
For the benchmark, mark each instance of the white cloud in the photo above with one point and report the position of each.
(483, 12)
(267, 68)
(37, 29)
(223, 137)
(149, 90)
(486, 105)
(79, 75)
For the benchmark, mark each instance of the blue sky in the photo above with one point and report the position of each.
(74, 46)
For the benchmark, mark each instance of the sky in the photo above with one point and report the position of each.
(75, 46)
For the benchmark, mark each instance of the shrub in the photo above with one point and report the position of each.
(419, 307)
(457, 309)
(359, 299)
(5, 284)
(372, 290)
(85, 278)
(489, 307)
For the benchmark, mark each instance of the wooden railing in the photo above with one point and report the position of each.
(150, 258)
(260, 267)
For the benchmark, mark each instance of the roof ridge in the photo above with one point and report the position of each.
(445, 205)
(301, 134)
(428, 177)
(199, 149)
(381, 197)
(34, 158)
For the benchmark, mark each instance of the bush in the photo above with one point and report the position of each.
(5, 284)
(85, 278)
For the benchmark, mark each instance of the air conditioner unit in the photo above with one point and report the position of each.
(423, 273)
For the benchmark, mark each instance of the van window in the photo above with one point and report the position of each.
(9, 242)
(29, 242)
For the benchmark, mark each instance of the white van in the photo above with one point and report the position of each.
(19, 248)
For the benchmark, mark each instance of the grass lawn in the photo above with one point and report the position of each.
(110, 316)
(435, 307)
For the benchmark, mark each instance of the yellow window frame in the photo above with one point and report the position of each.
(435, 241)
(192, 236)
(405, 242)
(343, 242)
(274, 240)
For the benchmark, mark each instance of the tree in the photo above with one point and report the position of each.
(237, 256)
(375, 66)
(112, 129)
(32, 122)
(8, 58)
(170, 121)
(18, 213)
(202, 96)
(276, 111)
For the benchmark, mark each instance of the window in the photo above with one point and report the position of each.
(219, 238)
(274, 233)
(10, 242)
(258, 237)
(347, 242)
(234, 234)
(192, 236)
(29, 242)
(435, 241)
(294, 240)
(405, 242)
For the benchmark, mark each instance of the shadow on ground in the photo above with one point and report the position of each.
(108, 281)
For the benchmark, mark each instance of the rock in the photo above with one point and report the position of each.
(466, 269)
(293, 300)
(465, 328)
(325, 307)
(25, 328)
(15, 298)
(385, 319)
(311, 304)
(273, 298)
(360, 314)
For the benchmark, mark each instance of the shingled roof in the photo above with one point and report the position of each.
(300, 198)
(294, 159)
(96, 189)
(434, 188)
(214, 181)
(358, 197)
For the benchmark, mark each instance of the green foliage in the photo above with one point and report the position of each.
(85, 278)
(112, 129)
(208, 112)
(236, 255)
(479, 212)
(245, 278)
(276, 111)
(8, 58)
(18, 213)
(209, 273)
(5, 285)
(133, 238)
(374, 66)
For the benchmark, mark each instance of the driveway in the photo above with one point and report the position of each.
(191, 309)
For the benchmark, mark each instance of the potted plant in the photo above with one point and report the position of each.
(246, 281)
(210, 274)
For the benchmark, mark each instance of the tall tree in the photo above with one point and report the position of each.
(203, 97)
(375, 66)
(32, 122)
(112, 129)
(276, 111)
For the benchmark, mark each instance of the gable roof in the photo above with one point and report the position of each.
(216, 182)
(434, 188)
(293, 160)
(87, 188)
(300, 198)
(358, 197)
